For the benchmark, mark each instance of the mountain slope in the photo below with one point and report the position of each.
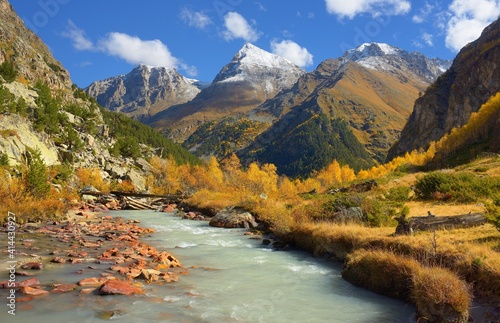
(30, 56)
(473, 78)
(252, 76)
(61, 121)
(144, 91)
(372, 88)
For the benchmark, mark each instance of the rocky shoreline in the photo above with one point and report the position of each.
(104, 249)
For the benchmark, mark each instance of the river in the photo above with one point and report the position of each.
(235, 279)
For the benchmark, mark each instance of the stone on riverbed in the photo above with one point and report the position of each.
(30, 291)
(63, 288)
(233, 217)
(119, 287)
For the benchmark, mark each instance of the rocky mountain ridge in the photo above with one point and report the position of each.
(144, 91)
(372, 88)
(387, 58)
(252, 77)
(448, 103)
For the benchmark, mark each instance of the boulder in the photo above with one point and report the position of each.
(233, 217)
(119, 287)
(136, 179)
(117, 171)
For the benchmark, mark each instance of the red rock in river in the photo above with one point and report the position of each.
(119, 287)
(93, 281)
(63, 288)
(33, 291)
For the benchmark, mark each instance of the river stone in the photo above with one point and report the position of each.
(119, 287)
(233, 217)
(33, 291)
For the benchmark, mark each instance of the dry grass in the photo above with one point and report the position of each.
(468, 255)
(418, 208)
(15, 199)
(382, 272)
(438, 294)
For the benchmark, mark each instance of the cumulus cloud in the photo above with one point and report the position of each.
(78, 37)
(196, 19)
(351, 8)
(238, 27)
(137, 51)
(292, 51)
(468, 19)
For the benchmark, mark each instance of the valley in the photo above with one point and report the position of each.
(330, 168)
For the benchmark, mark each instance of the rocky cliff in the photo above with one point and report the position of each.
(144, 91)
(448, 103)
(31, 57)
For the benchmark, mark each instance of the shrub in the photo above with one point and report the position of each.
(36, 175)
(398, 194)
(92, 177)
(460, 187)
(378, 213)
(4, 159)
(127, 147)
(493, 215)
(8, 71)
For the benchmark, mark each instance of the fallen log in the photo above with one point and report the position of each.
(130, 203)
(432, 222)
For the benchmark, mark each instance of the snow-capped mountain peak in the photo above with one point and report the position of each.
(371, 50)
(251, 61)
(384, 57)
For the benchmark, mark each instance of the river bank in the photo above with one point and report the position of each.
(88, 253)
(231, 277)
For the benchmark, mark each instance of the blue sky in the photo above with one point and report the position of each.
(96, 39)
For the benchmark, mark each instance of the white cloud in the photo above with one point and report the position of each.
(351, 8)
(468, 19)
(428, 39)
(132, 49)
(78, 37)
(195, 19)
(423, 13)
(290, 50)
(137, 51)
(238, 27)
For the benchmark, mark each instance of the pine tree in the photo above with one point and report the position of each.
(36, 174)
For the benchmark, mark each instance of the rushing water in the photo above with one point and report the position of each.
(236, 280)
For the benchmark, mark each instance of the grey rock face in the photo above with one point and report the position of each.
(144, 91)
(448, 103)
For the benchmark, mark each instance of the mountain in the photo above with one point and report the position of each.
(449, 102)
(371, 88)
(252, 77)
(41, 110)
(30, 56)
(144, 91)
